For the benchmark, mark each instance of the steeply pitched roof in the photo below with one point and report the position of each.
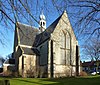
(26, 34)
(42, 37)
(30, 51)
(27, 50)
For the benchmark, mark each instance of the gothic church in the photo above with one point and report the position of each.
(46, 52)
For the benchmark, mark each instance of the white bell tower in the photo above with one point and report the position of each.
(42, 22)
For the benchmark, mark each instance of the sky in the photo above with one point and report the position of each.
(8, 39)
(7, 48)
(7, 35)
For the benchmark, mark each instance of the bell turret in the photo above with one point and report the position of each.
(42, 22)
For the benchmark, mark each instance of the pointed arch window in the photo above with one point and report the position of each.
(65, 47)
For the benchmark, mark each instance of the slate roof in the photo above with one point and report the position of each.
(26, 34)
(42, 37)
(30, 51)
(89, 63)
(86, 64)
(27, 50)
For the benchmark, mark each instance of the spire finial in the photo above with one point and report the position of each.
(42, 15)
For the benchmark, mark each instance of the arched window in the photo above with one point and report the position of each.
(43, 23)
(65, 47)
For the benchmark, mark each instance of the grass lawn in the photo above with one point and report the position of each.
(90, 80)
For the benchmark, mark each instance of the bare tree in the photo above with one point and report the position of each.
(85, 13)
(92, 50)
(1, 61)
(12, 11)
(9, 56)
(25, 11)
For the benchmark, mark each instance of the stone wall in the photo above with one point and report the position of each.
(27, 65)
(68, 69)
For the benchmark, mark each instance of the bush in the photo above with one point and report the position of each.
(82, 73)
(30, 73)
(33, 72)
(7, 73)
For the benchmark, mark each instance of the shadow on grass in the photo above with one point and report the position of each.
(28, 81)
(59, 81)
(75, 81)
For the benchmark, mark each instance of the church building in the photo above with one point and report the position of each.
(46, 52)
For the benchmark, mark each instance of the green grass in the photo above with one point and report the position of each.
(90, 80)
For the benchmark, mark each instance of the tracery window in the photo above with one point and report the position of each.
(65, 47)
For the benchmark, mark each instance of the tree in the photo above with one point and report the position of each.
(12, 11)
(9, 56)
(85, 13)
(92, 50)
(1, 61)
(86, 20)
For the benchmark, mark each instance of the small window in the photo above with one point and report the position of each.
(43, 24)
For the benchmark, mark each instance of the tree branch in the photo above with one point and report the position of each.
(28, 11)
(7, 16)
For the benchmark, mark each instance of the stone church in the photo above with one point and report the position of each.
(46, 52)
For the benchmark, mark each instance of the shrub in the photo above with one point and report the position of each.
(42, 71)
(33, 72)
(82, 73)
(30, 73)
